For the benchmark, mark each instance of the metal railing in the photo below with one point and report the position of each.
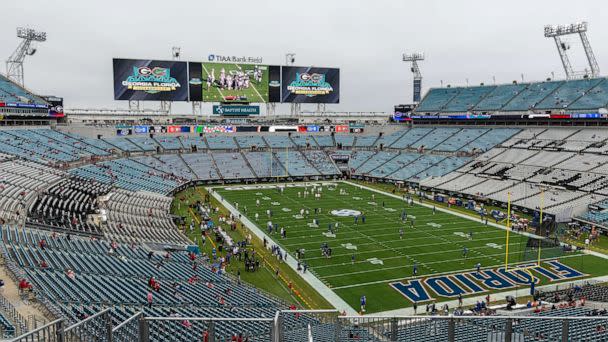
(128, 330)
(466, 328)
(96, 328)
(52, 332)
(19, 322)
(206, 329)
(327, 325)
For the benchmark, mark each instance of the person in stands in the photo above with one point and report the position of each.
(150, 299)
(25, 286)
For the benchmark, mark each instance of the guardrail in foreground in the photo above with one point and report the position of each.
(299, 325)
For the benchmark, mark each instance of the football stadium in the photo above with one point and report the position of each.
(237, 197)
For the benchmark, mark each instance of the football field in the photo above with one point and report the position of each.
(367, 257)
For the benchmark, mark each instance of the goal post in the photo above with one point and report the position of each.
(531, 249)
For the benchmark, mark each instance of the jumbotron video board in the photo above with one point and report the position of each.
(153, 80)
(150, 80)
(310, 85)
(234, 83)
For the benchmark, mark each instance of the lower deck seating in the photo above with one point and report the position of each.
(66, 205)
(139, 217)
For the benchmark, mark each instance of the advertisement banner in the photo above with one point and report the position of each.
(141, 129)
(310, 85)
(312, 129)
(274, 83)
(341, 128)
(174, 129)
(340, 157)
(150, 80)
(417, 90)
(235, 83)
(195, 81)
(25, 105)
(56, 106)
(157, 129)
(218, 129)
(236, 110)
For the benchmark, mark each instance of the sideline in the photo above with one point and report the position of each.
(329, 295)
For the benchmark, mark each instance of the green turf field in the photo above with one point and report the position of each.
(257, 92)
(435, 242)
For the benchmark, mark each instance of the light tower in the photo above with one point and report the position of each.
(176, 53)
(414, 58)
(557, 32)
(290, 59)
(14, 64)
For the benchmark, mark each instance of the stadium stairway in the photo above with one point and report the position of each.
(216, 167)
(187, 165)
(378, 159)
(311, 163)
(248, 164)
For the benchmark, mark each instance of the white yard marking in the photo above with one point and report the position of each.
(375, 261)
(349, 246)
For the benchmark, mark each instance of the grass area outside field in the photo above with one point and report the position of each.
(265, 278)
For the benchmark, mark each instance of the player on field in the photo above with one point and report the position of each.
(478, 267)
(363, 303)
(352, 259)
(415, 269)
(401, 233)
(465, 252)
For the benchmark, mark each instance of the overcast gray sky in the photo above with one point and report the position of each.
(472, 40)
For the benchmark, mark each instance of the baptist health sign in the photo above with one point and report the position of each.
(236, 110)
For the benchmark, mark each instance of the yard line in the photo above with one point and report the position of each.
(417, 246)
(336, 275)
(395, 234)
(417, 254)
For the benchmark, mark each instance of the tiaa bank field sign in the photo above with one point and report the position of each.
(236, 110)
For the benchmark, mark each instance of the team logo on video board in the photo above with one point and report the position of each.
(151, 80)
(310, 84)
